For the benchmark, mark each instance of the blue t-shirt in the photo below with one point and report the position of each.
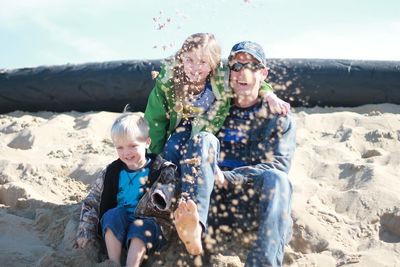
(131, 188)
(199, 103)
(235, 134)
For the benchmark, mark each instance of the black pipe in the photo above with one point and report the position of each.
(111, 85)
(346, 83)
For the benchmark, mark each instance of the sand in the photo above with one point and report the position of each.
(345, 173)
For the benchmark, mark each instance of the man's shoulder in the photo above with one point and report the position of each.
(288, 117)
(284, 122)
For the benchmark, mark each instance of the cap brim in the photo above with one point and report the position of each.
(247, 52)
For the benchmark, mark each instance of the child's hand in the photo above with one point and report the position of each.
(276, 104)
(220, 179)
(81, 242)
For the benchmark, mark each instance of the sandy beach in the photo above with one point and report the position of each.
(345, 173)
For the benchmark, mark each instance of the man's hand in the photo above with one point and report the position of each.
(276, 104)
(81, 242)
(220, 179)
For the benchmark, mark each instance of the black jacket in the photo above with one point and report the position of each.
(162, 174)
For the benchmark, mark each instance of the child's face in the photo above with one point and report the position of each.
(196, 66)
(132, 152)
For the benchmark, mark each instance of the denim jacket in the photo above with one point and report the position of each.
(269, 144)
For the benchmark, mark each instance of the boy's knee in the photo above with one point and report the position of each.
(115, 212)
(118, 215)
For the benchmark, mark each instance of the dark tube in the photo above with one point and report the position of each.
(110, 86)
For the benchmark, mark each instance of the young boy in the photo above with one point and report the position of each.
(119, 206)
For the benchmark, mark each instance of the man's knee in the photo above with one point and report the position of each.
(275, 178)
(276, 185)
(278, 191)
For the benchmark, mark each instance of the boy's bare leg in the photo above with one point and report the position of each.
(114, 247)
(136, 252)
(188, 226)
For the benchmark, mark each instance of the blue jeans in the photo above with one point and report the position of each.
(200, 154)
(176, 143)
(266, 207)
(124, 229)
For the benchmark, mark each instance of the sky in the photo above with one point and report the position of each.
(55, 32)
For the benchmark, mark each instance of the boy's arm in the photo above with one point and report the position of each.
(282, 148)
(156, 114)
(167, 188)
(163, 192)
(89, 218)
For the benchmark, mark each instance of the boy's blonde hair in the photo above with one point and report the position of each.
(131, 126)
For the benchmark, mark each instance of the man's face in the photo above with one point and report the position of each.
(246, 81)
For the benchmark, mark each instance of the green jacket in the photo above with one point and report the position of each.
(163, 119)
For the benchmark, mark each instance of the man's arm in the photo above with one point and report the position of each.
(283, 143)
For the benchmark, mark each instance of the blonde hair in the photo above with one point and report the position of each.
(130, 125)
(209, 46)
(205, 42)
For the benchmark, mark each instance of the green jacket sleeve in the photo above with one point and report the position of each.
(156, 114)
(265, 88)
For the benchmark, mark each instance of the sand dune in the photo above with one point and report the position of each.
(346, 203)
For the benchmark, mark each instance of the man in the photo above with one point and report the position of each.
(256, 151)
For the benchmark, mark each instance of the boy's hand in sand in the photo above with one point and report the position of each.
(81, 242)
(187, 224)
